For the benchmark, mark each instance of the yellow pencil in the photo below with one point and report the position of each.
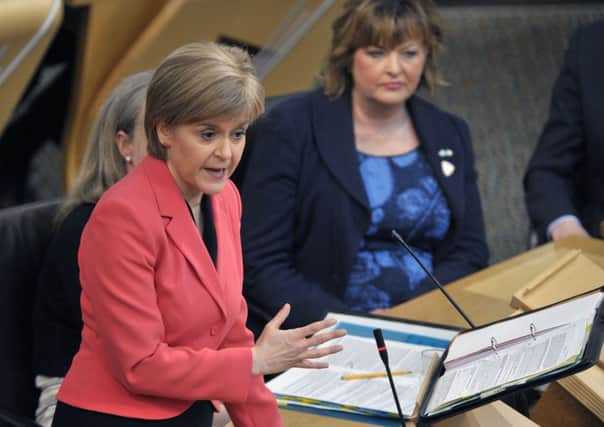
(373, 375)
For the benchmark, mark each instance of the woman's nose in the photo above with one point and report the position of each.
(224, 148)
(393, 64)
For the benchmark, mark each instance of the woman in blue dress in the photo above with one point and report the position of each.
(358, 157)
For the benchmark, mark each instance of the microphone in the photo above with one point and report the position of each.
(431, 276)
(381, 346)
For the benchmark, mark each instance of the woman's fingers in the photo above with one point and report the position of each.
(319, 339)
(280, 317)
(315, 353)
(314, 327)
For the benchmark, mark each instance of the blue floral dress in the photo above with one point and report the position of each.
(403, 195)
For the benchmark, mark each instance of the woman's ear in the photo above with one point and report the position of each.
(164, 134)
(124, 146)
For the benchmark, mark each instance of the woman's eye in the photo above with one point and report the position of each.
(375, 53)
(239, 135)
(207, 135)
(410, 53)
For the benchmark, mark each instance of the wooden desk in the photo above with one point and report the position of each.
(485, 296)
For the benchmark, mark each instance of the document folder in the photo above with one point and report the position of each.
(476, 367)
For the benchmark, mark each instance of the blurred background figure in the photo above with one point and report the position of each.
(564, 182)
(116, 146)
(358, 157)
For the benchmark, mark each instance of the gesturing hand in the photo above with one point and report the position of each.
(277, 350)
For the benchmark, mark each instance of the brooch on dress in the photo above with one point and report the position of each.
(447, 167)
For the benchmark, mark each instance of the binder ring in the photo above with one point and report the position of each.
(494, 344)
(533, 331)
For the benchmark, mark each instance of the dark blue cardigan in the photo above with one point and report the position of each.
(305, 209)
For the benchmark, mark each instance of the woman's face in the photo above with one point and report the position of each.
(388, 77)
(202, 156)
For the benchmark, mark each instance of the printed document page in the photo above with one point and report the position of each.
(486, 369)
(325, 388)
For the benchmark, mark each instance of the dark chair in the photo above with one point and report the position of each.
(25, 233)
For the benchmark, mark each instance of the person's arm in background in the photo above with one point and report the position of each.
(550, 180)
(470, 252)
(57, 317)
(270, 194)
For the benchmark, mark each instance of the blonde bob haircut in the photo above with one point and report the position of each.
(103, 165)
(386, 24)
(197, 82)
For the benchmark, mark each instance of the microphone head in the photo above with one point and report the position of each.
(379, 338)
(381, 345)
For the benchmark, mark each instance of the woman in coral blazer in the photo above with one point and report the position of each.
(164, 338)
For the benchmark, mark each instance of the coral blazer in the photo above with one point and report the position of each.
(163, 326)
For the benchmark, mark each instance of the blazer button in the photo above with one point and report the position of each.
(213, 330)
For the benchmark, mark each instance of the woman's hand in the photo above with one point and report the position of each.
(277, 350)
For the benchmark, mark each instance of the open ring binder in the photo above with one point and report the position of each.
(494, 345)
(571, 333)
(533, 331)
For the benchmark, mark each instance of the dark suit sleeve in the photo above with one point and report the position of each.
(550, 180)
(270, 194)
(468, 252)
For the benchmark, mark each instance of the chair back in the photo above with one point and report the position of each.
(25, 233)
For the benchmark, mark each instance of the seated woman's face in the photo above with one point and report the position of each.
(388, 77)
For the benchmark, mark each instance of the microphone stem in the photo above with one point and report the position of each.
(429, 273)
(398, 405)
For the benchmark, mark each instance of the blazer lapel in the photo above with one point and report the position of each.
(181, 228)
(334, 134)
(438, 143)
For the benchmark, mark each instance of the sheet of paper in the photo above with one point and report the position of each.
(325, 388)
(479, 340)
(517, 362)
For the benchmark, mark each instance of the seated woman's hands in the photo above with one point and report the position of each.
(278, 350)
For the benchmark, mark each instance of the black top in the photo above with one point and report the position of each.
(57, 318)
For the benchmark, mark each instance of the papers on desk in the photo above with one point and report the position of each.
(325, 389)
(488, 360)
(478, 365)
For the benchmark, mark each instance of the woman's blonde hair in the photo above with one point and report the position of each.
(200, 81)
(103, 165)
(383, 23)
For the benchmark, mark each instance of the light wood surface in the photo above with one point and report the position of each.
(496, 414)
(26, 30)
(109, 30)
(150, 29)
